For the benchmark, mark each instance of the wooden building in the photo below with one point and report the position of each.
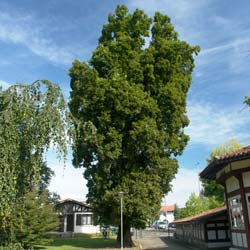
(233, 172)
(76, 217)
(209, 229)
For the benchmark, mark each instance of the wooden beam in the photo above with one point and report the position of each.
(244, 206)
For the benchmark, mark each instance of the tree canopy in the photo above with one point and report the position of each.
(33, 118)
(247, 100)
(129, 109)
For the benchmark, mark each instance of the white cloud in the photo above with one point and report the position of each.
(234, 46)
(211, 125)
(185, 14)
(231, 46)
(22, 30)
(185, 182)
(180, 9)
(4, 84)
(68, 182)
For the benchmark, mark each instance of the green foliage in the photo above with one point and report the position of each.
(227, 147)
(196, 205)
(129, 108)
(12, 246)
(247, 100)
(45, 176)
(54, 198)
(32, 119)
(32, 216)
(210, 187)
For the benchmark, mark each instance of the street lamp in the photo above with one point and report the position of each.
(199, 186)
(121, 195)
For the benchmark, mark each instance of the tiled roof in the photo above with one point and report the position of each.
(219, 162)
(236, 154)
(169, 208)
(207, 214)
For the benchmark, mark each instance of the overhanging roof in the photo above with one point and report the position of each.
(219, 162)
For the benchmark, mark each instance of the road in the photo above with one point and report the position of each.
(160, 240)
(156, 239)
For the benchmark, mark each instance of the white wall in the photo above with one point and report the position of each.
(87, 229)
(170, 217)
(232, 184)
(246, 179)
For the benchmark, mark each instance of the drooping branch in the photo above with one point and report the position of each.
(33, 118)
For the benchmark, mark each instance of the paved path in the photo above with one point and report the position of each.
(162, 243)
(156, 240)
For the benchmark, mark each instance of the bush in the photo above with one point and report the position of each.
(33, 216)
(11, 246)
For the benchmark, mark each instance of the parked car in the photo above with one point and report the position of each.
(161, 225)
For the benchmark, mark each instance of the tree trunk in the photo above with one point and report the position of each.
(127, 239)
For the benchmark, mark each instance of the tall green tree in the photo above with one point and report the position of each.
(210, 187)
(33, 118)
(129, 108)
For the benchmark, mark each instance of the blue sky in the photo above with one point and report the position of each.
(40, 39)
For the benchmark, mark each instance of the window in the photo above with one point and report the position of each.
(236, 213)
(83, 219)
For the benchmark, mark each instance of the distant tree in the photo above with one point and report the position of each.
(180, 213)
(32, 119)
(129, 108)
(196, 205)
(210, 187)
(46, 173)
(227, 147)
(54, 198)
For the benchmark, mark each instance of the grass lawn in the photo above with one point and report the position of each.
(81, 242)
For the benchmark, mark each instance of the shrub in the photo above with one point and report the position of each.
(11, 246)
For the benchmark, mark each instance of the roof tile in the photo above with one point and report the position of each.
(202, 215)
(169, 208)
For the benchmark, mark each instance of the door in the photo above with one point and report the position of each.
(70, 223)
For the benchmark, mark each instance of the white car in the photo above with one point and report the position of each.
(161, 225)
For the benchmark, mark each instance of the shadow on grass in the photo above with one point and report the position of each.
(83, 241)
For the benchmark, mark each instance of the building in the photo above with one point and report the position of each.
(209, 229)
(76, 217)
(232, 170)
(167, 213)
